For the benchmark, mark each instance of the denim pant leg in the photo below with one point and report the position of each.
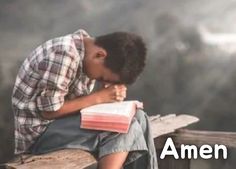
(148, 160)
(66, 133)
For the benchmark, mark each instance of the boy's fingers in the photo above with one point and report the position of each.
(117, 91)
(114, 99)
(121, 93)
(121, 87)
(124, 95)
(119, 98)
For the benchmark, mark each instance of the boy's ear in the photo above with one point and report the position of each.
(101, 54)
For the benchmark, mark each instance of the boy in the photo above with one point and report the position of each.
(55, 82)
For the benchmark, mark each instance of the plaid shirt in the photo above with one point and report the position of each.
(50, 75)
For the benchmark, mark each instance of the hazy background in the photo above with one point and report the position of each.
(191, 65)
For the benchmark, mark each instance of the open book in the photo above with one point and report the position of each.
(114, 117)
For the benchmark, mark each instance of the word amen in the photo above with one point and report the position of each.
(205, 151)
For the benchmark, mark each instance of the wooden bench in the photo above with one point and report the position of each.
(78, 159)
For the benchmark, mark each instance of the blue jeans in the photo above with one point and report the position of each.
(66, 133)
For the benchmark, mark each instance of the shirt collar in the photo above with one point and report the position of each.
(79, 36)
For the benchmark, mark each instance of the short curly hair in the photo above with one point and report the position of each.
(126, 54)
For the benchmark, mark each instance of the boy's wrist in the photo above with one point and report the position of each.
(95, 98)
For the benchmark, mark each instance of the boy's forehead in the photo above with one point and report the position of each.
(110, 77)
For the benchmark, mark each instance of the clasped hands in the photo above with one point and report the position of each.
(111, 93)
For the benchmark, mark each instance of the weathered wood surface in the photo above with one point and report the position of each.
(77, 159)
(168, 124)
(63, 159)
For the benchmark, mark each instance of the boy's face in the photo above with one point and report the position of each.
(97, 70)
(94, 66)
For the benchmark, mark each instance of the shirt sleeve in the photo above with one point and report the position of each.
(57, 70)
(91, 85)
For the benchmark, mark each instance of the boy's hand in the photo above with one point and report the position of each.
(111, 93)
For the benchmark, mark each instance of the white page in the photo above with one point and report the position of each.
(117, 108)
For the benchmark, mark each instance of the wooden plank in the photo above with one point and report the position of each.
(63, 159)
(169, 123)
(66, 159)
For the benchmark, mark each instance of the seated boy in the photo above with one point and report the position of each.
(54, 83)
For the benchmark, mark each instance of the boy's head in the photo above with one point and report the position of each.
(116, 58)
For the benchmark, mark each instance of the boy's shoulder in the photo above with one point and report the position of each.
(65, 43)
(60, 43)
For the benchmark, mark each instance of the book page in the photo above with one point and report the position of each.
(117, 108)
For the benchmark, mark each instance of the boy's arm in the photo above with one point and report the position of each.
(110, 94)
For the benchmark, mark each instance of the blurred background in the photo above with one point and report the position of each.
(191, 65)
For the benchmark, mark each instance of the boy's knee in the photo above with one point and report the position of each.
(140, 115)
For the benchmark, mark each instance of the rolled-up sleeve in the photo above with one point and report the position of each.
(57, 70)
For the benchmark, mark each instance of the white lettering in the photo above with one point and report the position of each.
(165, 151)
(205, 151)
(224, 151)
(189, 149)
